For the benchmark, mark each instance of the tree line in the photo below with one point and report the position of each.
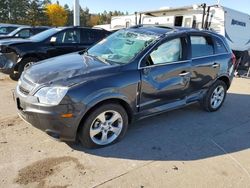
(44, 12)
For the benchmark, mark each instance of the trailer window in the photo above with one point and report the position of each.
(178, 21)
(219, 46)
(201, 46)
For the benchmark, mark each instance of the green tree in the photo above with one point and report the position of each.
(43, 12)
(46, 2)
(4, 12)
(84, 17)
(56, 14)
(69, 15)
(18, 10)
(36, 14)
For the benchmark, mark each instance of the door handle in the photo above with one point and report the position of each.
(215, 65)
(146, 71)
(184, 74)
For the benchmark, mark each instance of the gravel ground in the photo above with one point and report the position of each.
(182, 148)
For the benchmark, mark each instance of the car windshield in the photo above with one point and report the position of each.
(122, 46)
(45, 34)
(14, 32)
(6, 30)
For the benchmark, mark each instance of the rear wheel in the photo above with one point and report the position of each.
(105, 125)
(21, 65)
(215, 96)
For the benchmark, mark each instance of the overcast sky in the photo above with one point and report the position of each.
(131, 6)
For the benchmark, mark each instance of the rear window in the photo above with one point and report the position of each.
(38, 30)
(219, 46)
(90, 36)
(201, 46)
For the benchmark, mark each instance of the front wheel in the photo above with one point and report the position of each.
(105, 125)
(215, 96)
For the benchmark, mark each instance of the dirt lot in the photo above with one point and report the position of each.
(182, 148)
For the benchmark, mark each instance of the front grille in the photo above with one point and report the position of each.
(25, 86)
(24, 91)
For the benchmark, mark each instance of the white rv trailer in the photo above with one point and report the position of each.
(232, 24)
(118, 22)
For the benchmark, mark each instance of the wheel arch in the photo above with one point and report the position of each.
(26, 57)
(117, 100)
(225, 79)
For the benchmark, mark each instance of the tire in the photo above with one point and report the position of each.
(20, 68)
(93, 129)
(217, 92)
(14, 76)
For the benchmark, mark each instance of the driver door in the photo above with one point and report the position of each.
(64, 42)
(165, 75)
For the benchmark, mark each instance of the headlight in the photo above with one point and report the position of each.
(51, 95)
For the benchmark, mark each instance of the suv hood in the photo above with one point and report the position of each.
(11, 41)
(63, 68)
(2, 37)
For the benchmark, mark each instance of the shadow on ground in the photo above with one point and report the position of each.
(186, 134)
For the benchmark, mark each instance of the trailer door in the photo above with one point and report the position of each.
(187, 21)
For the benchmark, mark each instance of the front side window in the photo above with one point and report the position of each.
(67, 37)
(122, 46)
(168, 52)
(25, 33)
(201, 46)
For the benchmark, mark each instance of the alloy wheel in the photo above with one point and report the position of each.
(106, 127)
(217, 97)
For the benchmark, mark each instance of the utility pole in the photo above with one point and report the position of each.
(76, 13)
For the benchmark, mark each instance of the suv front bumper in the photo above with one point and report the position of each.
(47, 118)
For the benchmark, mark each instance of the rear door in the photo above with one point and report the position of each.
(205, 68)
(165, 74)
(64, 42)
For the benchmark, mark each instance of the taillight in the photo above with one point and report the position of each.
(234, 59)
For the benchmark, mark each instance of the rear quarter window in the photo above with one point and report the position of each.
(219, 46)
(90, 36)
(201, 46)
(38, 30)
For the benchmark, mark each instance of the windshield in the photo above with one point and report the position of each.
(45, 34)
(7, 30)
(122, 46)
(14, 32)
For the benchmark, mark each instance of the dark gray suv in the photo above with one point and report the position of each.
(132, 74)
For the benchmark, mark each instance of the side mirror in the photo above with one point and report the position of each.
(53, 40)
